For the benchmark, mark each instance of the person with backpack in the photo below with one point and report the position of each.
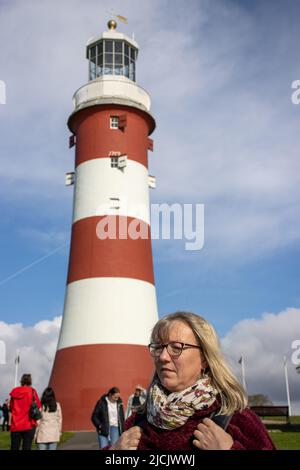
(22, 427)
(194, 401)
(49, 427)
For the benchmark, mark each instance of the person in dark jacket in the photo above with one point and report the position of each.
(108, 417)
(192, 387)
(22, 427)
(5, 411)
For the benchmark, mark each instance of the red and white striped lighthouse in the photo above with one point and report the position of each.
(110, 302)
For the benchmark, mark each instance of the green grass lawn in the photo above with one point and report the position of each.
(295, 419)
(282, 419)
(5, 440)
(286, 440)
(288, 437)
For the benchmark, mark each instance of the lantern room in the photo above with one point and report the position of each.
(112, 53)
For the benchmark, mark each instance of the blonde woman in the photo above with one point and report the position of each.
(192, 390)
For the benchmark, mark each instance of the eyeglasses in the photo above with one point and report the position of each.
(174, 348)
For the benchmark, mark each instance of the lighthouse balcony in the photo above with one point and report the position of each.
(111, 89)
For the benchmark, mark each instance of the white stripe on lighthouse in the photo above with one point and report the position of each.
(98, 188)
(108, 310)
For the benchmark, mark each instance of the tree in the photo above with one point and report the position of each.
(259, 400)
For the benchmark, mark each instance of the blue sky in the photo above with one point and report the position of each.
(219, 74)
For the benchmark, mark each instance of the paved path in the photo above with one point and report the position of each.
(81, 441)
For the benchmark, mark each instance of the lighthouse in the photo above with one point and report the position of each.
(110, 300)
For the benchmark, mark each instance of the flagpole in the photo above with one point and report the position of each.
(287, 385)
(243, 374)
(17, 359)
(241, 361)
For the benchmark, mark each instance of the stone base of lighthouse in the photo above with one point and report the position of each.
(81, 374)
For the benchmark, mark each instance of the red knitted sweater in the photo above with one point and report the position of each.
(245, 428)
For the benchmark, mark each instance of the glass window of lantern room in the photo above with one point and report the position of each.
(99, 67)
(93, 52)
(108, 57)
(100, 47)
(132, 64)
(118, 64)
(108, 45)
(132, 54)
(132, 71)
(99, 70)
(118, 57)
(126, 60)
(92, 62)
(118, 47)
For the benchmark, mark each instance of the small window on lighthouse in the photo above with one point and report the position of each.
(114, 162)
(114, 122)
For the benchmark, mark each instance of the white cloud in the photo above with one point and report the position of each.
(37, 346)
(263, 342)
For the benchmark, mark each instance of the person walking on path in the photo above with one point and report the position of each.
(108, 417)
(49, 427)
(5, 411)
(22, 428)
(136, 400)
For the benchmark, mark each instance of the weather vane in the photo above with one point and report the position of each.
(113, 14)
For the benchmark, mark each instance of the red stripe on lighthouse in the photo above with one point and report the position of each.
(91, 257)
(81, 374)
(95, 139)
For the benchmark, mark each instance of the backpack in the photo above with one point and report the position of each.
(34, 411)
(221, 420)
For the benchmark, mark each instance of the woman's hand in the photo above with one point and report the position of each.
(129, 440)
(210, 436)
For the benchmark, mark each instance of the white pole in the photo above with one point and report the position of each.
(287, 385)
(243, 373)
(16, 366)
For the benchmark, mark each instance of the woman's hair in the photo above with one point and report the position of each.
(26, 379)
(48, 400)
(113, 390)
(232, 395)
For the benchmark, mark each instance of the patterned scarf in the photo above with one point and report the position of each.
(170, 411)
